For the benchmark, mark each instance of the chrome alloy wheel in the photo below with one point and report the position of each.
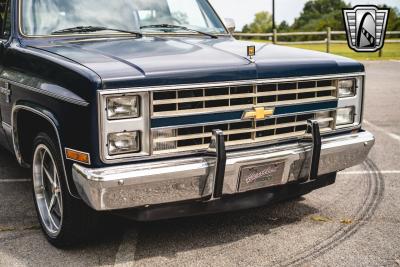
(47, 190)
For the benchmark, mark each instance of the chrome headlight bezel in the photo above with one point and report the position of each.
(355, 102)
(124, 124)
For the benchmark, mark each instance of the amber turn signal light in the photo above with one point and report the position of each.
(77, 156)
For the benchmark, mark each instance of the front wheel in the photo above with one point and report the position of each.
(64, 220)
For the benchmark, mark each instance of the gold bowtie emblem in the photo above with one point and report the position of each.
(258, 114)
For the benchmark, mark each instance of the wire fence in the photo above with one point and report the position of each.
(329, 37)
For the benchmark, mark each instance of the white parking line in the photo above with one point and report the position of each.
(9, 181)
(394, 136)
(391, 135)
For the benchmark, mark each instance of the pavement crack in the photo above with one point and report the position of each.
(7, 229)
(17, 229)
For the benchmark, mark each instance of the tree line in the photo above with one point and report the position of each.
(316, 15)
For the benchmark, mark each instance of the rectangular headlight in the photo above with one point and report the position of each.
(347, 88)
(345, 116)
(123, 143)
(123, 107)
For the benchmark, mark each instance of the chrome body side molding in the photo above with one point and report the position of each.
(75, 101)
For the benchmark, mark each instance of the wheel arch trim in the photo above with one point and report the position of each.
(50, 118)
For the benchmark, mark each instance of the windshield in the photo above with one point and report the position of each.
(44, 17)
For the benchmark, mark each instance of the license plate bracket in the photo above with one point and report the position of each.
(260, 176)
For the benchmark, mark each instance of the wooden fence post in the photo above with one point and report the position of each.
(275, 37)
(328, 40)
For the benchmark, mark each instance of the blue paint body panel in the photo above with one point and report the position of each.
(157, 61)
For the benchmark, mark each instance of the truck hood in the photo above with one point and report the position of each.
(152, 61)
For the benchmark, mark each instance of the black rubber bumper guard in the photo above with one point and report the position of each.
(217, 149)
(313, 129)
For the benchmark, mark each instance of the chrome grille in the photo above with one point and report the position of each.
(197, 136)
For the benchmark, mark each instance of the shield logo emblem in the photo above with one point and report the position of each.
(366, 27)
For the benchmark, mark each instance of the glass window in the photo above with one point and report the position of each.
(180, 12)
(43, 17)
(5, 18)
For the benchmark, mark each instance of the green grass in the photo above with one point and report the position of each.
(390, 51)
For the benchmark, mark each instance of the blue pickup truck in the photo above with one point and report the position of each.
(151, 109)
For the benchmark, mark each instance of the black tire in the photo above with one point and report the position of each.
(79, 222)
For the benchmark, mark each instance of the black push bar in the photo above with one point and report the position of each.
(314, 129)
(217, 150)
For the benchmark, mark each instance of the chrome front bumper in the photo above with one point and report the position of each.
(192, 179)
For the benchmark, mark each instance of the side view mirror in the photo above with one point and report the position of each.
(230, 24)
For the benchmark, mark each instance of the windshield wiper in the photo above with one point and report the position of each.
(170, 26)
(83, 29)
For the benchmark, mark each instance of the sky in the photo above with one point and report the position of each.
(242, 11)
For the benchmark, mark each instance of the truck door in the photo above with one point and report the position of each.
(5, 32)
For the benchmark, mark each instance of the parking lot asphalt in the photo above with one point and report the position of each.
(355, 222)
